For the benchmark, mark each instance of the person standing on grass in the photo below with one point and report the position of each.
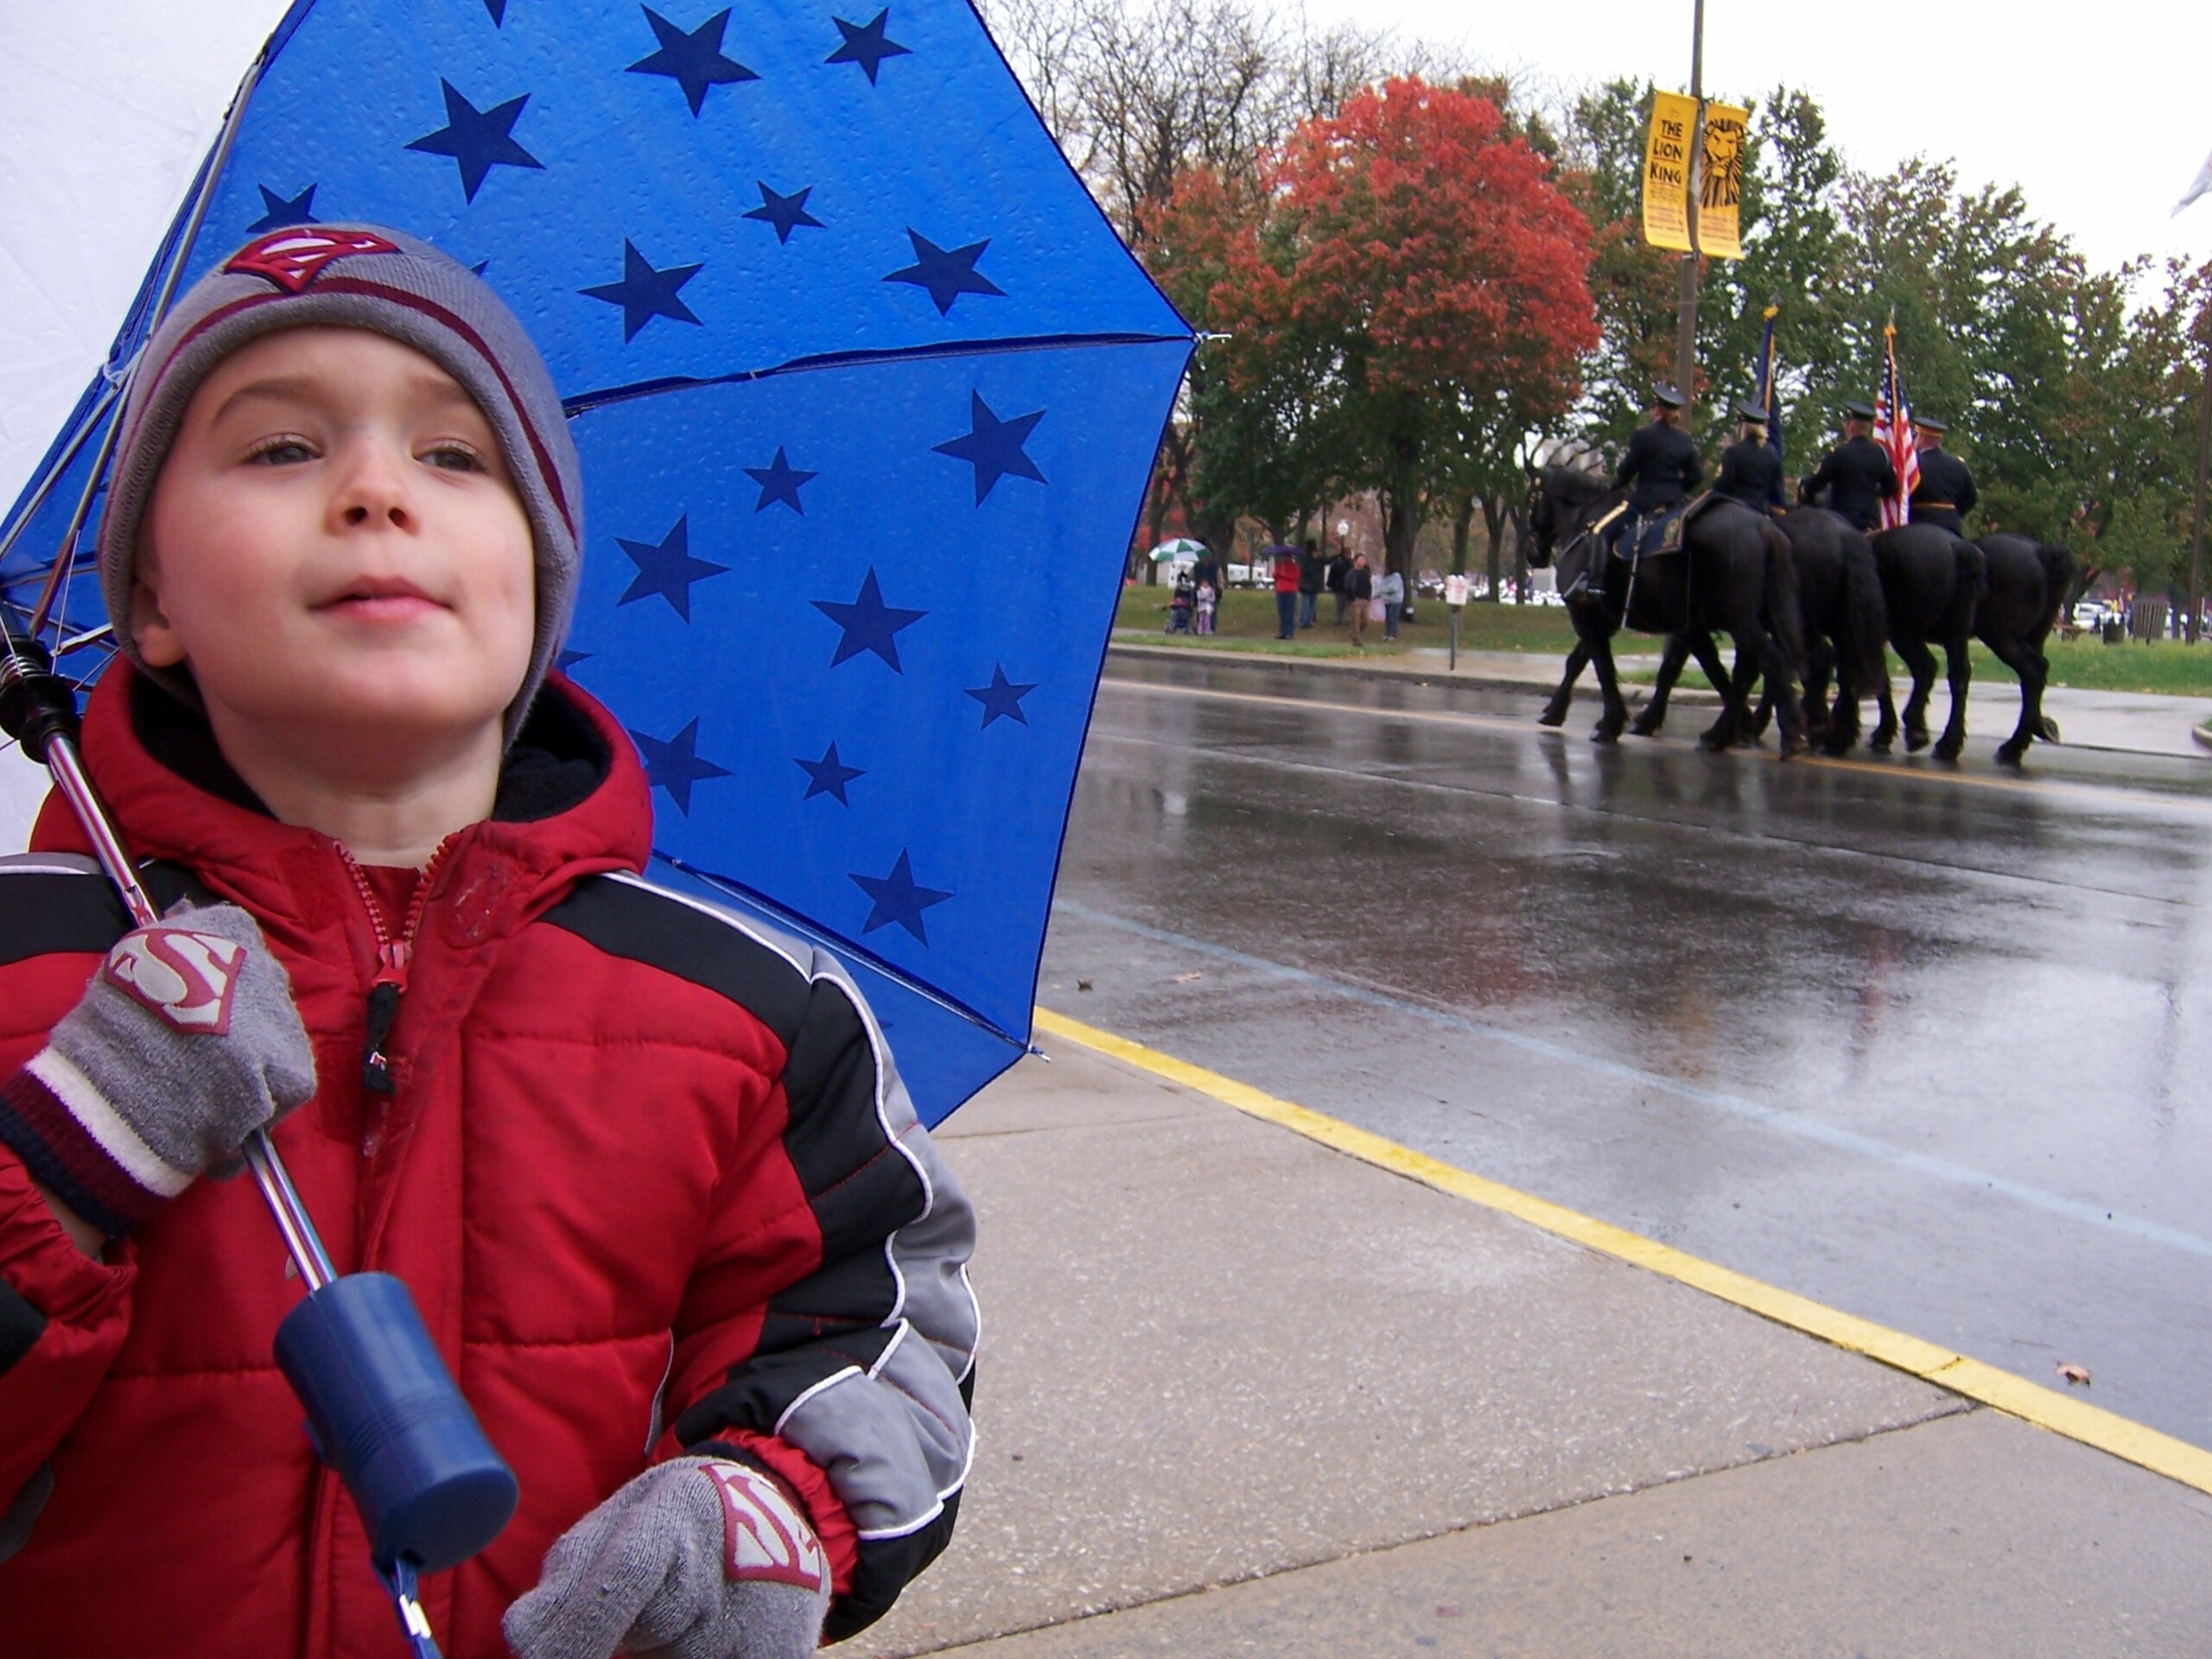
(1359, 590)
(1333, 580)
(1309, 583)
(1391, 590)
(1285, 558)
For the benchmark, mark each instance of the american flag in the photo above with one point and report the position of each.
(1893, 431)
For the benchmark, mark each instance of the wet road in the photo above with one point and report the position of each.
(1932, 1048)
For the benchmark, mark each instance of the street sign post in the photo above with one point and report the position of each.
(1455, 596)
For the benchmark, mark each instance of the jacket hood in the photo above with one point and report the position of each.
(573, 801)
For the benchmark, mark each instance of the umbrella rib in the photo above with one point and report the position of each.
(583, 403)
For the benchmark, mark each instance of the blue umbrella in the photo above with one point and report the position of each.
(866, 391)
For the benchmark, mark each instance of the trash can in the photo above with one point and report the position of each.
(2114, 632)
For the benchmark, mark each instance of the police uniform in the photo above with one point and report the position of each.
(1660, 467)
(1945, 493)
(1857, 473)
(1750, 470)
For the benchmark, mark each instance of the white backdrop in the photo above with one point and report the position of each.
(107, 107)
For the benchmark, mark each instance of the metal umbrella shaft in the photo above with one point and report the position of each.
(38, 708)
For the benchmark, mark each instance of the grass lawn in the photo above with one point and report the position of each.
(1246, 622)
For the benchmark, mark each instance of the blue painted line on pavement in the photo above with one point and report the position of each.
(1774, 1117)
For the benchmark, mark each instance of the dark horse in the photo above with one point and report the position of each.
(1931, 585)
(1733, 576)
(1840, 606)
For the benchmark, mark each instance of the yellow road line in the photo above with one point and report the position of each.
(2043, 787)
(2061, 1413)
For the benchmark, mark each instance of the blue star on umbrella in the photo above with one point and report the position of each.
(1001, 699)
(278, 211)
(869, 623)
(498, 10)
(645, 293)
(693, 60)
(785, 212)
(898, 897)
(946, 272)
(675, 766)
(667, 568)
(866, 44)
(827, 776)
(779, 481)
(993, 446)
(478, 140)
(568, 660)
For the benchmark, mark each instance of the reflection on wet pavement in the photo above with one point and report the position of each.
(1920, 1045)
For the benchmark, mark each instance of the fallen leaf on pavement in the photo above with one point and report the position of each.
(2074, 1375)
(1185, 979)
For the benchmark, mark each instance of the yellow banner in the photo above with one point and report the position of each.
(1666, 171)
(1720, 191)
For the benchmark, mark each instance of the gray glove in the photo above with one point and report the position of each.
(185, 1042)
(697, 1558)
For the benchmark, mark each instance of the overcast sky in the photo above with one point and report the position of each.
(105, 105)
(2100, 113)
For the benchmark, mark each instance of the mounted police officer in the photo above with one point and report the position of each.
(1945, 493)
(1660, 469)
(1750, 470)
(1856, 473)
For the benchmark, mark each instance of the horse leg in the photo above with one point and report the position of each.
(1840, 728)
(1648, 723)
(1735, 688)
(1555, 711)
(1961, 671)
(1921, 662)
(2025, 660)
(1819, 664)
(1614, 718)
(1767, 651)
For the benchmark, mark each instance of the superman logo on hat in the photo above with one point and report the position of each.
(293, 258)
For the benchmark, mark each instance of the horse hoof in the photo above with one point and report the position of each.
(1794, 747)
(1880, 746)
(1604, 733)
(1915, 741)
(1835, 747)
(1643, 728)
(1947, 752)
(2050, 733)
(2011, 754)
(1552, 717)
(1713, 743)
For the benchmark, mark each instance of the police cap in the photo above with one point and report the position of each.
(1858, 410)
(1666, 396)
(1930, 423)
(1748, 410)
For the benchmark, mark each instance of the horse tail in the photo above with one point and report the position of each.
(2059, 569)
(1974, 579)
(1784, 615)
(1865, 616)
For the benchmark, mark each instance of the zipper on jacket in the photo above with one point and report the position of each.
(394, 957)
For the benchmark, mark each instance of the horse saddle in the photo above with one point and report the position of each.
(1666, 532)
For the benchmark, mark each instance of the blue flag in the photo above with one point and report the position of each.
(866, 391)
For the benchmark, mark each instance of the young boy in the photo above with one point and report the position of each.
(646, 1169)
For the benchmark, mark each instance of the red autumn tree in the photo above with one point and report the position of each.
(1415, 268)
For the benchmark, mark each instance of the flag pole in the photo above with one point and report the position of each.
(1685, 313)
(2204, 464)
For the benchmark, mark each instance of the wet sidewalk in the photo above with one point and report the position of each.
(1243, 1395)
(2127, 722)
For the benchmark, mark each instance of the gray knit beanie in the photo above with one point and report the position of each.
(355, 277)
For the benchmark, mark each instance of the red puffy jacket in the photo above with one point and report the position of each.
(646, 1169)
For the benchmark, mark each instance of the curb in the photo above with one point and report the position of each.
(1972, 1379)
(1353, 668)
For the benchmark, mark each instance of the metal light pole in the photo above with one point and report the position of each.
(2203, 463)
(1686, 314)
